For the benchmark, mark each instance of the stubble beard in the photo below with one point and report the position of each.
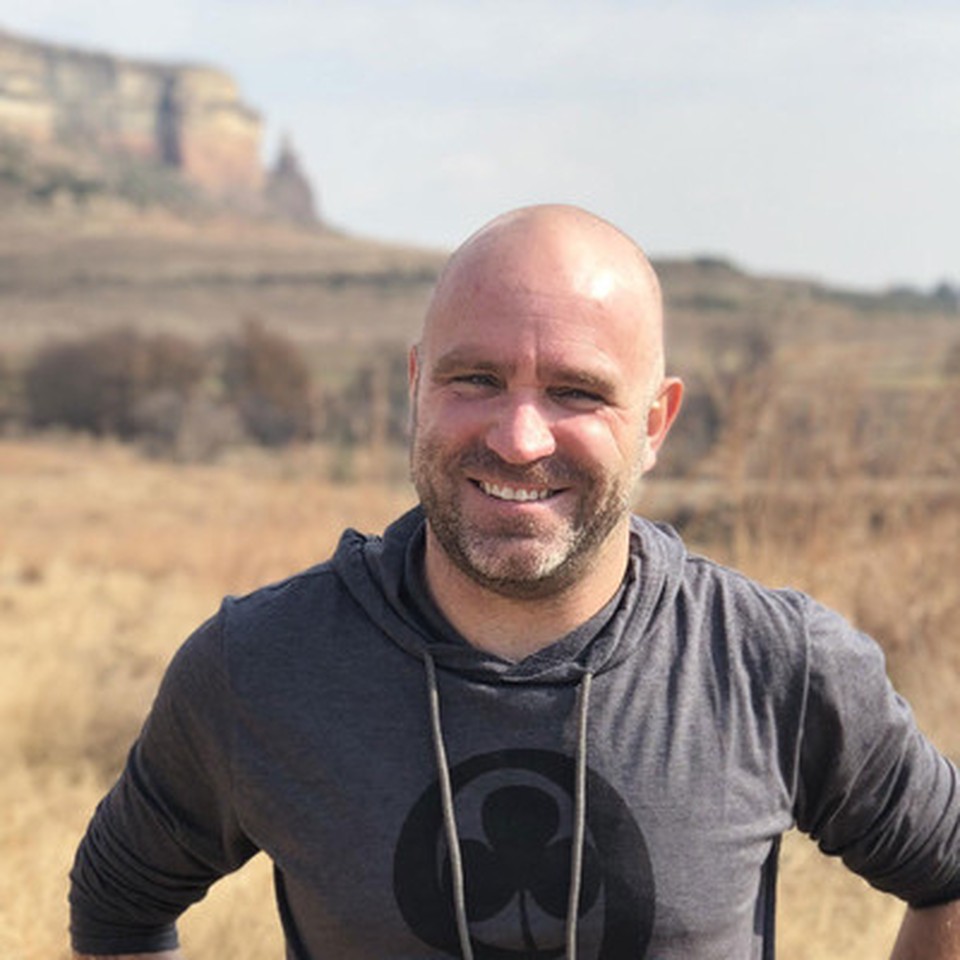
(526, 560)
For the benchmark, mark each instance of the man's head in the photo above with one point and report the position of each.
(539, 399)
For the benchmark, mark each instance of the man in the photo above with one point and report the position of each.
(524, 723)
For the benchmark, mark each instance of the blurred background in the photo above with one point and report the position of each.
(220, 223)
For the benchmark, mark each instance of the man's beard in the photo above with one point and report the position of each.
(531, 557)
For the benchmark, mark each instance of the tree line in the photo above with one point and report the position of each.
(190, 400)
(744, 412)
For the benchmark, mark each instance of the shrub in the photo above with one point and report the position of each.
(371, 409)
(269, 383)
(96, 385)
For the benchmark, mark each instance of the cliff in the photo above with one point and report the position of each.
(183, 118)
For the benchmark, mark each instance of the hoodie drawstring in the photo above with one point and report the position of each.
(450, 821)
(579, 816)
(449, 817)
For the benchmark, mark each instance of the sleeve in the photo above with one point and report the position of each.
(168, 829)
(871, 788)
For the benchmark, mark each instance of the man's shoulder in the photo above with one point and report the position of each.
(698, 575)
(295, 594)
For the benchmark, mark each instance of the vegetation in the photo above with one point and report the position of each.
(185, 401)
(44, 179)
(269, 383)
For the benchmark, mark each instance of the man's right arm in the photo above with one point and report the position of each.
(169, 828)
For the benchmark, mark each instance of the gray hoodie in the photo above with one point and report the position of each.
(620, 793)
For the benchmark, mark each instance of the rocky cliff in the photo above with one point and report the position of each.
(185, 118)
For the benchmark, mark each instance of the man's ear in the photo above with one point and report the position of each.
(413, 370)
(663, 411)
(413, 382)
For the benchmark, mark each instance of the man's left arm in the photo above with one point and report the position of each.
(875, 791)
(930, 933)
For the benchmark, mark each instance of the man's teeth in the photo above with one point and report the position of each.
(513, 493)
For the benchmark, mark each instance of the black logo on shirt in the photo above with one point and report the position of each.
(515, 813)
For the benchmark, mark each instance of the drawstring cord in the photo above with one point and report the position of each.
(449, 817)
(450, 820)
(579, 817)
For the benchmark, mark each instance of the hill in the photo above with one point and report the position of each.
(70, 271)
(69, 268)
(132, 193)
(760, 355)
(82, 125)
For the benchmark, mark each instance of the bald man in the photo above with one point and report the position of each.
(523, 722)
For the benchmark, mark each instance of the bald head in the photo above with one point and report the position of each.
(538, 400)
(556, 251)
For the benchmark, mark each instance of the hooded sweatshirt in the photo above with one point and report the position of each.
(620, 793)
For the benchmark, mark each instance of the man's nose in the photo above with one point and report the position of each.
(521, 433)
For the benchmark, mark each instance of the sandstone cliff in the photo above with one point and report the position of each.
(184, 118)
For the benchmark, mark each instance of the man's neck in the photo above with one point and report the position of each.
(515, 628)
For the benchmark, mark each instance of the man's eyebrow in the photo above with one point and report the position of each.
(575, 377)
(465, 359)
(457, 360)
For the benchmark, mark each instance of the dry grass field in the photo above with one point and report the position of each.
(106, 563)
(108, 560)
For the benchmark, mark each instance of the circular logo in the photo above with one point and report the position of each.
(515, 816)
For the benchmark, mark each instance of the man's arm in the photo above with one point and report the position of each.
(932, 933)
(169, 828)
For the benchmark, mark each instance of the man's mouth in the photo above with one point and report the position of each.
(517, 494)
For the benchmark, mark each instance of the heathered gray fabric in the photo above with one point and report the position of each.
(295, 722)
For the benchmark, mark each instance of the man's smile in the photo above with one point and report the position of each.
(517, 494)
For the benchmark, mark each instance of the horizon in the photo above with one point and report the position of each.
(812, 143)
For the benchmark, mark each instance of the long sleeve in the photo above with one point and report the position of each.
(168, 829)
(872, 788)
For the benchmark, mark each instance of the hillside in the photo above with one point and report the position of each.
(760, 355)
(68, 272)
(132, 193)
(67, 269)
(79, 126)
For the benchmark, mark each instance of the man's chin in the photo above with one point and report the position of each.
(520, 574)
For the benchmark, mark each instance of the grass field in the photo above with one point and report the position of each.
(108, 560)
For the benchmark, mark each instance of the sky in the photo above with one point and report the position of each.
(808, 139)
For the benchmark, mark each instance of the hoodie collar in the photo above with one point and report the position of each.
(385, 576)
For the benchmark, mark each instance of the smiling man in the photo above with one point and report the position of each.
(524, 722)
(539, 400)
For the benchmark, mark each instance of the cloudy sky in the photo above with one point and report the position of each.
(813, 138)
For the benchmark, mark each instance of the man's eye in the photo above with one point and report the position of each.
(476, 380)
(470, 384)
(578, 395)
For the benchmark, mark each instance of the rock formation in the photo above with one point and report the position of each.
(185, 118)
(287, 191)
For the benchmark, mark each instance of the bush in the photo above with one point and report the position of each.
(371, 409)
(189, 429)
(96, 385)
(268, 382)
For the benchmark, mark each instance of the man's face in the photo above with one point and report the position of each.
(532, 397)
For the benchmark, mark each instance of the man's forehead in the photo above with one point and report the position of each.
(542, 275)
(598, 311)
(571, 353)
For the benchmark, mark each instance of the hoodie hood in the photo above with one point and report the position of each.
(384, 575)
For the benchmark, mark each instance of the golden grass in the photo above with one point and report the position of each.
(107, 561)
